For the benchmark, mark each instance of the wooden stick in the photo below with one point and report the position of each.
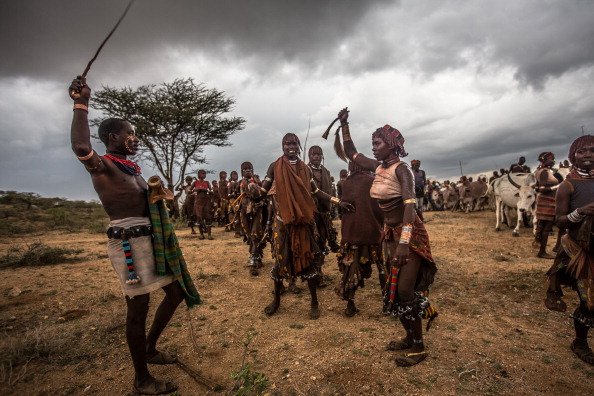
(196, 376)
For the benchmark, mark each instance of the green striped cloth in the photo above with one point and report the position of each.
(168, 256)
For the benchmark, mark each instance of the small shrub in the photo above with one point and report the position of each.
(37, 254)
(249, 382)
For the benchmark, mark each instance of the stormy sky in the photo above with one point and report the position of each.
(481, 82)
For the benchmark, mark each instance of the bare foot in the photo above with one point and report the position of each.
(158, 357)
(583, 351)
(399, 345)
(154, 386)
(314, 312)
(350, 310)
(271, 308)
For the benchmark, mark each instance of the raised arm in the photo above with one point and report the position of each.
(349, 147)
(324, 197)
(80, 134)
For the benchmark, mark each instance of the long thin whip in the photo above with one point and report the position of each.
(84, 74)
(107, 38)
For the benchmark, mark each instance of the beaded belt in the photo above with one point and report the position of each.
(131, 232)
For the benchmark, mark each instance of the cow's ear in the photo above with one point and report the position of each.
(517, 194)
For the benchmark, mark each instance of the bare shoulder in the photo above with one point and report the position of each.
(403, 168)
(565, 189)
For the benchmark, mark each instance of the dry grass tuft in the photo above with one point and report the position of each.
(37, 254)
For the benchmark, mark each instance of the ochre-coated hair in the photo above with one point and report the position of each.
(579, 143)
(393, 139)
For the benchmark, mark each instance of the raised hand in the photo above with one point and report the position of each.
(79, 91)
(343, 115)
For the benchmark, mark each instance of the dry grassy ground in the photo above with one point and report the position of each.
(493, 335)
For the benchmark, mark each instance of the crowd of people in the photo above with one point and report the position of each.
(379, 200)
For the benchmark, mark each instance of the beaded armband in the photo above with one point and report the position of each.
(575, 216)
(406, 233)
(263, 190)
(410, 201)
(335, 200)
(86, 157)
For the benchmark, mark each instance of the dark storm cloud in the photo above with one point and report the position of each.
(537, 40)
(45, 38)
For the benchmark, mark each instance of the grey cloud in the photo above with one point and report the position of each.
(537, 40)
(46, 38)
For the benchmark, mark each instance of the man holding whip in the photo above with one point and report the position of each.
(145, 257)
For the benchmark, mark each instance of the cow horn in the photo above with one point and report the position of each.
(513, 183)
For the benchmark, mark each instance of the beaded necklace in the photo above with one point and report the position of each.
(584, 173)
(126, 166)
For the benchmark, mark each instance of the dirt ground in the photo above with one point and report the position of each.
(493, 335)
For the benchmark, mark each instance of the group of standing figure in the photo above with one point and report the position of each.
(380, 228)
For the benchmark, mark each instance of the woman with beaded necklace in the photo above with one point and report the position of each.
(410, 266)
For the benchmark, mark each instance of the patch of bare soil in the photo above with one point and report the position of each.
(63, 326)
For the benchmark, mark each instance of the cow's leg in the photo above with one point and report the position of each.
(498, 214)
(516, 231)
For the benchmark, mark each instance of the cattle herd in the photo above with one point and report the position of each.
(511, 196)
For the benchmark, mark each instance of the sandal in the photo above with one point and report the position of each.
(399, 345)
(583, 351)
(554, 302)
(156, 387)
(161, 358)
(410, 358)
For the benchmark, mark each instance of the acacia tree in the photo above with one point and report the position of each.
(174, 122)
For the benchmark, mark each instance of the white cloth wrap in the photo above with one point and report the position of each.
(142, 256)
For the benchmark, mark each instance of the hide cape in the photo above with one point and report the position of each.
(296, 207)
(364, 226)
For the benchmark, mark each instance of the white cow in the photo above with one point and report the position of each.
(515, 190)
